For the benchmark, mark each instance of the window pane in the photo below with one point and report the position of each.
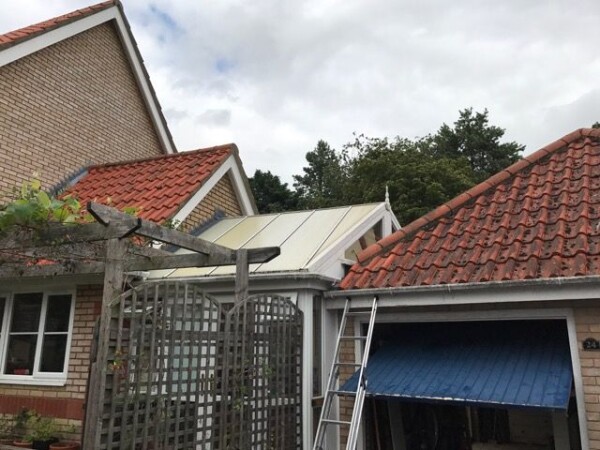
(59, 312)
(53, 353)
(21, 353)
(26, 312)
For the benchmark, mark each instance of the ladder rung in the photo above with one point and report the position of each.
(335, 372)
(334, 391)
(336, 422)
(358, 313)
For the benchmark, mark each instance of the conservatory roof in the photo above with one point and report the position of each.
(305, 238)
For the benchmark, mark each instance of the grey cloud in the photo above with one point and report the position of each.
(279, 75)
(216, 117)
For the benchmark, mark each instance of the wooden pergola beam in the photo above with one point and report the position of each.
(109, 217)
(60, 234)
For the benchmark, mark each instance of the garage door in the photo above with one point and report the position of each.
(511, 364)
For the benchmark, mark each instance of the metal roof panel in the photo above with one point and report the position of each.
(515, 363)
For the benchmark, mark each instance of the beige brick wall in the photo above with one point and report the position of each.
(347, 354)
(69, 105)
(221, 197)
(63, 403)
(587, 321)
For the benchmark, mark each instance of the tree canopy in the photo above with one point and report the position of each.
(271, 194)
(421, 173)
(473, 138)
(322, 183)
(417, 180)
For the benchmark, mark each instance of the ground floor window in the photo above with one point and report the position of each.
(35, 331)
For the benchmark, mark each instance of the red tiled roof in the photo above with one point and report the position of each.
(159, 186)
(539, 218)
(22, 34)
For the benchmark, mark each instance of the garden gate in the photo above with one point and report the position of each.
(263, 375)
(180, 373)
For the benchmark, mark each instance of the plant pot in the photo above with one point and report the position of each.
(43, 445)
(65, 446)
(21, 444)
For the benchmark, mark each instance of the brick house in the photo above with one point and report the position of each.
(77, 107)
(74, 92)
(488, 325)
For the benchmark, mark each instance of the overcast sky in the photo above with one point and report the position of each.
(275, 76)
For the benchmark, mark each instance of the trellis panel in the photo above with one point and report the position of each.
(163, 359)
(263, 375)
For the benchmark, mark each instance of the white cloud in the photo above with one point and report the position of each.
(275, 77)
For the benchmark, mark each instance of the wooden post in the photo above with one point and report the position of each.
(113, 283)
(241, 275)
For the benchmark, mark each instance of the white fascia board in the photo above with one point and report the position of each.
(333, 254)
(143, 83)
(553, 289)
(228, 168)
(262, 282)
(241, 191)
(63, 32)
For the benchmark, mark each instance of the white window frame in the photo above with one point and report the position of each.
(37, 378)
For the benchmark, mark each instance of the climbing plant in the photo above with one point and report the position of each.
(32, 207)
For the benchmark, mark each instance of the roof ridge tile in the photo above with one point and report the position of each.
(231, 147)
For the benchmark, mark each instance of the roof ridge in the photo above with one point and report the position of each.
(475, 191)
(231, 147)
(14, 37)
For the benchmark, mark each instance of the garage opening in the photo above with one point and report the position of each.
(470, 385)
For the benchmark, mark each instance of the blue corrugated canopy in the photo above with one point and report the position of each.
(494, 364)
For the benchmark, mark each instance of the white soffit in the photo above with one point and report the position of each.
(71, 29)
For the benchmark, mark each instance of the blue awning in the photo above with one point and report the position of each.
(495, 364)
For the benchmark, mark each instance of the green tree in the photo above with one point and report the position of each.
(323, 181)
(418, 181)
(596, 125)
(271, 194)
(473, 138)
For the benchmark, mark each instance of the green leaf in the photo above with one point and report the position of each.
(44, 199)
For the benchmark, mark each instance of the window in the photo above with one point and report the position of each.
(35, 329)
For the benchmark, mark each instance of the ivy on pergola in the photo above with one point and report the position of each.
(95, 248)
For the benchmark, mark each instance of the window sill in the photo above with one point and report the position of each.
(29, 381)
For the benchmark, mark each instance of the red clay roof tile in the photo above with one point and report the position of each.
(14, 37)
(539, 218)
(158, 187)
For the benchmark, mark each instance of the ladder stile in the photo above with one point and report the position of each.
(333, 390)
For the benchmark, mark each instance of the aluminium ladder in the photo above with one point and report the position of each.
(333, 390)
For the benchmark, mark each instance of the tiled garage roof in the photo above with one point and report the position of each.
(539, 218)
(158, 187)
(22, 34)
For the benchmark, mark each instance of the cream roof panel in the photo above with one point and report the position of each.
(239, 234)
(219, 229)
(353, 217)
(302, 236)
(301, 246)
